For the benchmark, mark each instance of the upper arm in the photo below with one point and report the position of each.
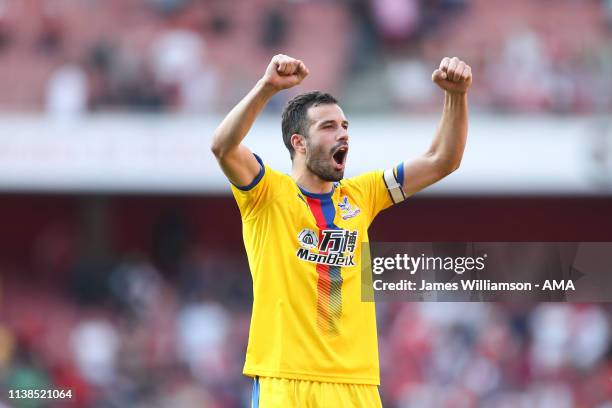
(239, 165)
(381, 189)
(422, 172)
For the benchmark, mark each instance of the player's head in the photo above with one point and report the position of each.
(315, 132)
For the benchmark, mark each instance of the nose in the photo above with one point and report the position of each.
(343, 136)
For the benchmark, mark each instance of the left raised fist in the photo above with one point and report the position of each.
(454, 75)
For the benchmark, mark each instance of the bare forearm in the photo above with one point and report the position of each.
(235, 159)
(449, 142)
(454, 77)
(238, 122)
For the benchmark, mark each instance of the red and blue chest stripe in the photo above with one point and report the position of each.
(329, 281)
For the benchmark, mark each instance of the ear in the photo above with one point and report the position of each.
(299, 143)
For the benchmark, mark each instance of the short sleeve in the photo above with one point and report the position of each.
(253, 197)
(376, 189)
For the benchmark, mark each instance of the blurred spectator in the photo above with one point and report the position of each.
(517, 76)
(397, 20)
(95, 344)
(52, 30)
(365, 48)
(168, 7)
(607, 6)
(274, 28)
(7, 344)
(176, 56)
(6, 34)
(137, 285)
(204, 326)
(26, 373)
(554, 345)
(550, 344)
(171, 240)
(409, 82)
(130, 83)
(179, 65)
(67, 92)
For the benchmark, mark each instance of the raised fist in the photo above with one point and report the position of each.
(284, 72)
(453, 76)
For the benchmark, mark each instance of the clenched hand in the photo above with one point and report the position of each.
(284, 72)
(453, 76)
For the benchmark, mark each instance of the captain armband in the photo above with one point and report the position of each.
(393, 186)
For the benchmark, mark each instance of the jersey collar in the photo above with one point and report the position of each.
(318, 195)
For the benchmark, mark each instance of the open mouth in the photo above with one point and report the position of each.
(340, 155)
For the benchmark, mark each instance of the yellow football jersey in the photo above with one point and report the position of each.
(304, 253)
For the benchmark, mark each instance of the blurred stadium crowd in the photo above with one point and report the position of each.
(148, 343)
(142, 310)
(69, 56)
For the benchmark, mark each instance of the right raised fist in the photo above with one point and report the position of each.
(284, 72)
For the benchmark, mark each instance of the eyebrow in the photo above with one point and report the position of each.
(328, 121)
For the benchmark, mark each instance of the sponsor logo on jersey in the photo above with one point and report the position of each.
(336, 247)
(308, 239)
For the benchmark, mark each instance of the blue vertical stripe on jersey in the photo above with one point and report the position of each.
(329, 212)
(330, 286)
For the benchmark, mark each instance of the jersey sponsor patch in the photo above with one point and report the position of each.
(308, 238)
(335, 247)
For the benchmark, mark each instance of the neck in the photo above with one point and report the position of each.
(310, 181)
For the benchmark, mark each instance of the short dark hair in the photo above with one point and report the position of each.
(294, 115)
